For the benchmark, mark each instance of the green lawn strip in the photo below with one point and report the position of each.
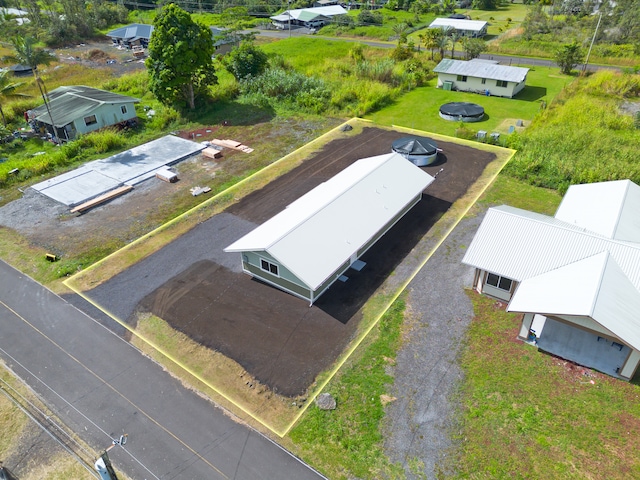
(420, 108)
(347, 442)
(529, 415)
(510, 191)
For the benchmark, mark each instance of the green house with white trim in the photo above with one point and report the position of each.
(305, 248)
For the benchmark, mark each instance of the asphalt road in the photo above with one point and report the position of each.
(101, 387)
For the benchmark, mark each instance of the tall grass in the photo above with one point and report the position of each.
(582, 137)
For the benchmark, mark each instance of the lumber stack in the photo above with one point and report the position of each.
(234, 145)
(83, 207)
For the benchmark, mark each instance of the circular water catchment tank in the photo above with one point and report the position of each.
(420, 151)
(462, 111)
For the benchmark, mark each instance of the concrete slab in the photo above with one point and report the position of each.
(126, 168)
(584, 348)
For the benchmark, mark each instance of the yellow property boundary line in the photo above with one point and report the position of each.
(356, 343)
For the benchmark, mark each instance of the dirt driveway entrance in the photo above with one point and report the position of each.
(276, 337)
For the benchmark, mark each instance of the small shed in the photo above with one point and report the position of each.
(420, 151)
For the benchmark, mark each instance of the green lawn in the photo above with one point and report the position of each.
(419, 109)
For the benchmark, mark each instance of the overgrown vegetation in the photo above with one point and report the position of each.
(528, 415)
(582, 137)
(347, 442)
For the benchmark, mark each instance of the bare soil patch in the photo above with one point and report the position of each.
(276, 337)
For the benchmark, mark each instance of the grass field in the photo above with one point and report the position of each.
(419, 108)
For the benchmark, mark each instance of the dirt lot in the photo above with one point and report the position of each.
(276, 337)
(101, 54)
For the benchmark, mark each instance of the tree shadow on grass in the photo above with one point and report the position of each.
(230, 113)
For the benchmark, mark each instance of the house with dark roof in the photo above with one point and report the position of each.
(575, 276)
(78, 109)
(312, 243)
(481, 76)
(136, 34)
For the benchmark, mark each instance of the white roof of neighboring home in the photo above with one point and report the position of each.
(321, 230)
(599, 290)
(519, 244)
(611, 209)
(458, 24)
(578, 263)
(328, 11)
(482, 70)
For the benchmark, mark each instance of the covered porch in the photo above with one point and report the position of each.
(580, 346)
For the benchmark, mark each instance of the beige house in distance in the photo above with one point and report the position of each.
(481, 76)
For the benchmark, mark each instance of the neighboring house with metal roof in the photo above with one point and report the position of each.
(574, 276)
(481, 76)
(308, 17)
(136, 34)
(467, 28)
(223, 42)
(305, 248)
(79, 109)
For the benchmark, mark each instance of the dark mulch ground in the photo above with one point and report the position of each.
(276, 337)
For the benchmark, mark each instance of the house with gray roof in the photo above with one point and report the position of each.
(136, 34)
(308, 246)
(481, 76)
(464, 27)
(78, 109)
(308, 17)
(575, 276)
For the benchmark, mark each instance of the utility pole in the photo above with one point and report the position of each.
(586, 61)
(103, 464)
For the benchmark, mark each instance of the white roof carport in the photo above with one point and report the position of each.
(126, 168)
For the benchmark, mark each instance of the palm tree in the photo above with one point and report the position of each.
(442, 43)
(26, 54)
(7, 89)
(454, 38)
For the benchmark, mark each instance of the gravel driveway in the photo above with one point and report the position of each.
(418, 424)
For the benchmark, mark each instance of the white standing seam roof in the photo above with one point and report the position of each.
(328, 11)
(458, 24)
(599, 289)
(491, 71)
(518, 244)
(321, 230)
(611, 209)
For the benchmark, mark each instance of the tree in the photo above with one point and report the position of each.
(485, 4)
(454, 37)
(402, 31)
(473, 47)
(180, 62)
(7, 89)
(442, 43)
(25, 53)
(246, 61)
(568, 56)
(430, 38)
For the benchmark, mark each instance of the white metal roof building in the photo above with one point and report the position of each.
(310, 244)
(481, 76)
(308, 16)
(580, 268)
(471, 28)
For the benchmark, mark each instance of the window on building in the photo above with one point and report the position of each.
(90, 120)
(462, 78)
(497, 281)
(269, 267)
(123, 108)
(501, 83)
(484, 80)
